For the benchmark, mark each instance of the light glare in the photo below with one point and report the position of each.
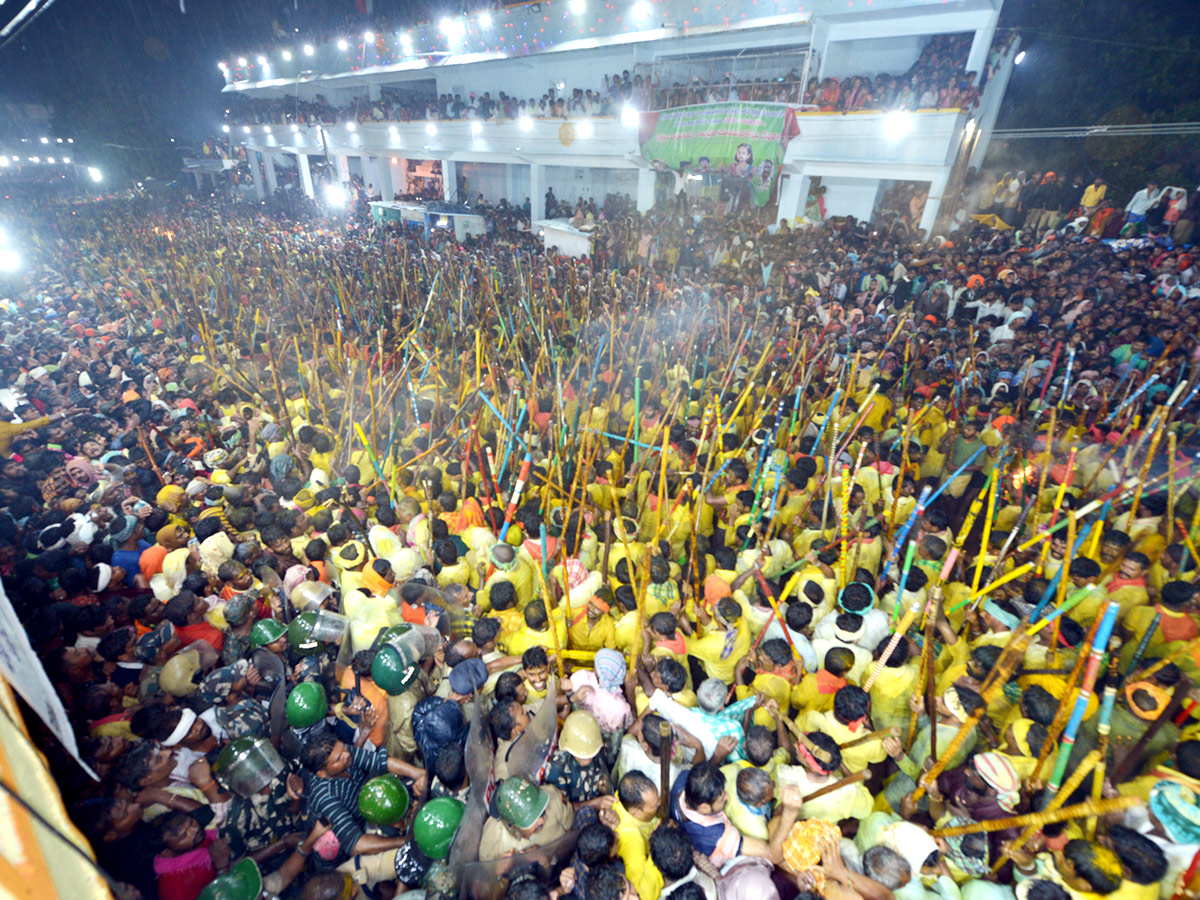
(335, 195)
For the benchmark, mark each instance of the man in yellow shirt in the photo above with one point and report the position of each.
(636, 809)
(721, 643)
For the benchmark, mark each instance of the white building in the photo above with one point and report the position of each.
(566, 44)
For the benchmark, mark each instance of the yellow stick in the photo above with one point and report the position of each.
(987, 533)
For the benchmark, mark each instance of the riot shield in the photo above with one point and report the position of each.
(529, 752)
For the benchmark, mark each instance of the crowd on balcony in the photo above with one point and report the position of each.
(937, 80)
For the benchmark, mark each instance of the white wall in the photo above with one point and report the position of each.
(571, 183)
(492, 180)
(850, 196)
(891, 56)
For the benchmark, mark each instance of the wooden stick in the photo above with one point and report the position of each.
(1037, 820)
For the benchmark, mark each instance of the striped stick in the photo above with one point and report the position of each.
(522, 476)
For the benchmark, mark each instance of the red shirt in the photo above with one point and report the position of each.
(201, 631)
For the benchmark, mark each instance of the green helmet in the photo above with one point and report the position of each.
(266, 631)
(437, 824)
(383, 800)
(306, 705)
(520, 801)
(242, 882)
(394, 667)
(247, 765)
(300, 635)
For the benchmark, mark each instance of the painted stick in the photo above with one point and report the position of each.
(1103, 728)
(1019, 572)
(1140, 650)
(910, 616)
(526, 463)
(1099, 644)
(918, 510)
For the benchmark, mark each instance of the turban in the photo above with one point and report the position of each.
(1020, 730)
(374, 582)
(1177, 808)
(169, 496)
(715, 588)
(954, 703)
(281, 465)
(911, 841)
(1161, 699)
(103, 574)
(164, 534)
(214, 550)
(304, 499)
(215, 459)
(295, 575)
(609, 666)
(349, 555)
(81, 472)
(1000, 775)
(124, 532)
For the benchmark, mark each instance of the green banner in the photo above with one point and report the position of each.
(735, 145)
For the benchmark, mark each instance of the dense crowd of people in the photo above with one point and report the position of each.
(732, 561)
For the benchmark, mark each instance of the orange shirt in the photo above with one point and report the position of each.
(378, 701)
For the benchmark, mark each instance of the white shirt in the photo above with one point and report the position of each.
(1140, 202)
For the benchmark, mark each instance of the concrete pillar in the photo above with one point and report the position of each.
(510, 183)
(383, 169)
(937, 187)
(343, 168)
(306, 182)
(269, 171)
(373, 91)
(793, 189)
(259, 192)
(399, 178)
(645, 189)
(981, 44)
(537, 198)
(449, 179)
(199, 181)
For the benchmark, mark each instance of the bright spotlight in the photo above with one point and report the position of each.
(3, 162)
(287, 55)
(335, 195)
(221, 66)
(9, 260)
(406, 39)
(585, 129)
(309, 50)
(70, 140)
(35, 159)
(578, 7)
(452, 28)
(225, 128)
(897, 124)
(50, 160)
(485, 20)
(350, 126)
(629, 116)
(525, 123)
(642, 10)
(94, 174)
(369, 37)
(266, 129)
(1020, 58)
(476, 128)
(295, 128)
(262, 60)
(66, 160)
(430, 129)
(45, 140)
(58, 140)
(245, 129)
(342, 45)
(395, 160)
(242, 61)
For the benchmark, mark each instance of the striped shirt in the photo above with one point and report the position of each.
(336, 799)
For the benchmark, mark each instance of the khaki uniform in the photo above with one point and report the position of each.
(400, 740)
(498, 838)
